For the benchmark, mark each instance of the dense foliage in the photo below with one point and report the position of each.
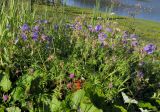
(74, 66)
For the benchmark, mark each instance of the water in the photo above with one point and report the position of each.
(145, 9)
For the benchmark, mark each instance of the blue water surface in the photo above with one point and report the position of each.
(145, 9)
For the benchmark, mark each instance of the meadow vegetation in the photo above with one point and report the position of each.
(68, 59)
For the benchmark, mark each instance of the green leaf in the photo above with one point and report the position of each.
(2, 109)
(76, 98)
(147, 105)
(13, 109)
(128, 100)
(142, 110)
(158, 101)
(55, 104)
(18, 93)
(121, 108)
(87, 106)
(5, 83)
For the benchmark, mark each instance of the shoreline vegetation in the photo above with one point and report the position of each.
(151, 29)
(69, 59)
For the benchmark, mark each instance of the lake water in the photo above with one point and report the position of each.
(145, 9)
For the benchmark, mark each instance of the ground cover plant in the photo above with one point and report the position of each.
(74, 65)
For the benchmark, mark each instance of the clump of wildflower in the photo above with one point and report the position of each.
(149, 49)
(25, 27)
(90, 28)
(72, 26)
(5, 98)
(125, 34)
(102, 36)
(44, 21)
(98, 28)
(35, 35)
(36, 28)
(24, 36)
(78, 26)
(133, 36)
(124, 41)
(71, 76)
(134, 43)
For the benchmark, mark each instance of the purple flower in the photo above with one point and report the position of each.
(24, 36)
(140, 74)
(78, 26)
(72, 26)
(102, 36)
(39, 21)
(125, 34)
(44, 21)
(25, 27)
(134, 43)
(149, 49)
(36, 28)
(56, 27)
(98, 28)
(71, 76)
(133, 36)
(5, 98)
(109, 30)
(67, 26)
(90, 28)
(124, 41)
(35, 35)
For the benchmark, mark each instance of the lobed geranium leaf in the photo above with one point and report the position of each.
(87, 106)
(55, 104)
(76, 98)
(18, 93)
(13, 109)
(5, 83)
(147, 105)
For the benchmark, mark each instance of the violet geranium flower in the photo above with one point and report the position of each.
(102, 36)
(25, 27)
(24, 36)
(35, 35)
(149, 49)
(98, 28)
